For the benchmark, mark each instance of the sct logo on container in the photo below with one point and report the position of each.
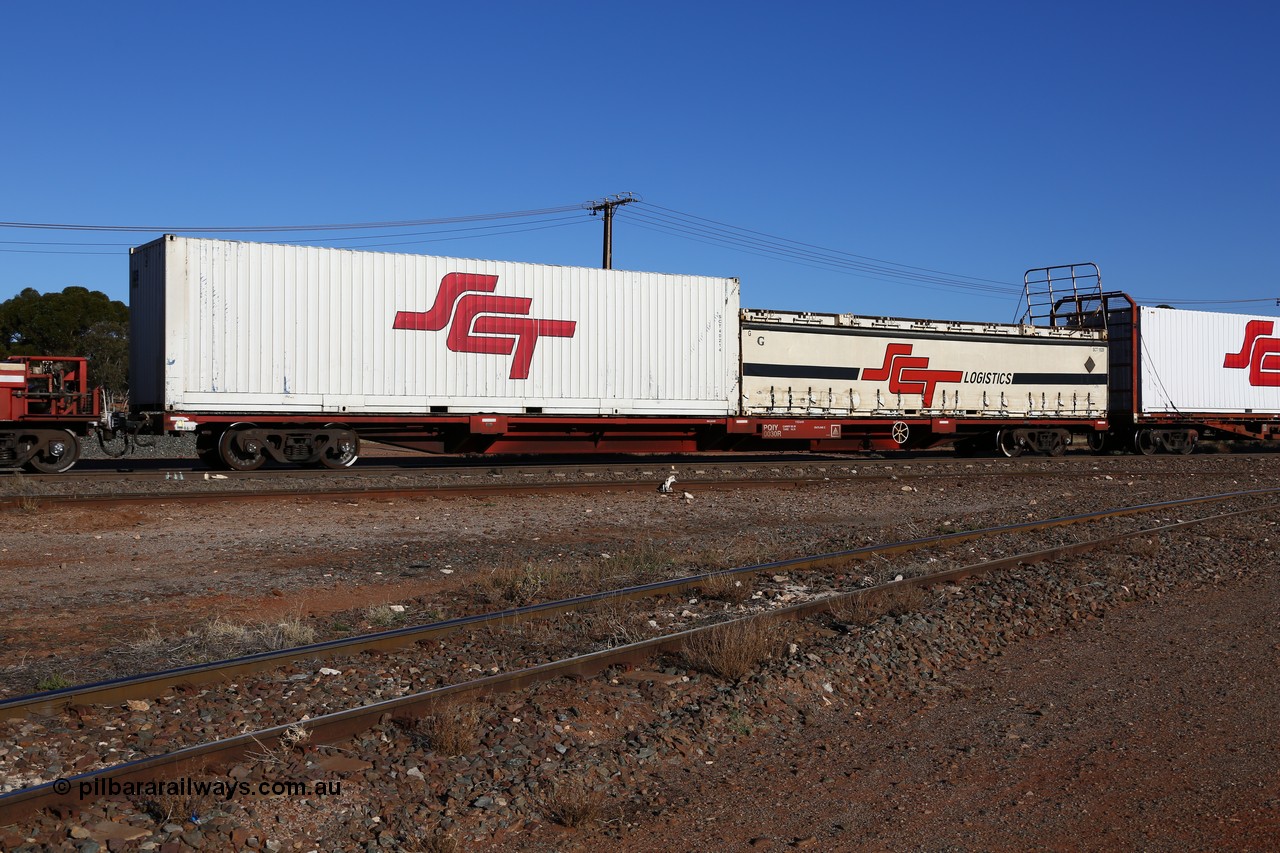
(480, 322)
(1260, 353)
(909, 374)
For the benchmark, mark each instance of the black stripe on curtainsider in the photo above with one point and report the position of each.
(1059, 379)
(799, 371)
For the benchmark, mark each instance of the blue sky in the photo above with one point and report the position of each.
(974, 139)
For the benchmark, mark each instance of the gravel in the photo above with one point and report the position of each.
(840, 715)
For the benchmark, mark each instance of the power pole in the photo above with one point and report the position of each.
(607, 206)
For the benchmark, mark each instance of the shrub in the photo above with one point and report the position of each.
(57, 681)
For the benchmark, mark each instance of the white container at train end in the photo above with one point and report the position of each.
(844, 365)
(1208, 362)
(231, 327)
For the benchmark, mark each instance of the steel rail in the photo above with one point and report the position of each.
(453, 490)
(369, 467)
(440, 490)
(340, 725)
(148, 685)
(457, 466)
(413, 462)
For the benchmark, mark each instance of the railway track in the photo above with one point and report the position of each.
(339, 724)
(421, 491)
(186, 485)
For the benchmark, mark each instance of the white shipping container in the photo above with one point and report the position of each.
(841, 364)
(234, 327)
(1208, 362)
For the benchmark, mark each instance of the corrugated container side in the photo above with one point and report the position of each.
(1208, 362)
(842, 364)
(293, 329)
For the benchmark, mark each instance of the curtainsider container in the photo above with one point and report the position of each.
(235, 327)
(919, 383)
(844, 364)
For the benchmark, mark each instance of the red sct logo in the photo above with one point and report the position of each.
(909, 374)
(480, 322)
(1260, 353)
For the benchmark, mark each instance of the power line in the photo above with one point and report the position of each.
(818, 266)
(498, 230)
(260, 229)
(1147, 300)
(56, 243)
(475, 236)
(831, 258)
(806, 254)
(55, 252)
(1003, 284)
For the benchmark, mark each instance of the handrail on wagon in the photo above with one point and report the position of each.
(1064, 295)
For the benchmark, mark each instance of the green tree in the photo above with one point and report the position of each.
(76, 321)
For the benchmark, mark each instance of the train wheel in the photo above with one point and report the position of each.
(240, 453)
(343, 450)
(64, 450)
(1057, 446)
(1098, 442)
(1144, 442)
(1189, 445)
(1008, 444)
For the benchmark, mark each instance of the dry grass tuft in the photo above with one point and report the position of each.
(740, 552)
(522, 583)
(1145, 548)
(451, 729)
(872, 604)
(170, 805)
(295, 737)
(382, 616)
(219, 638)
(286, 634)
(439, 841)
(610, 623)
(26, 493)
(735, 588)
(904, 600)
(175, 808)
(732, 649)
(866, 608)
(646, 563)
(571, 802)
